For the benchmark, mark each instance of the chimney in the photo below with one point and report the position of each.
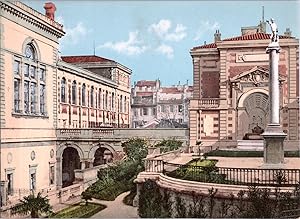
(217, 36)
(288, 32)
(50, 10)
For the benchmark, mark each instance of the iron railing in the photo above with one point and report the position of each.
(226, 175)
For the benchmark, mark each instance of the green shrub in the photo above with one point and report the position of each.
(169, 145)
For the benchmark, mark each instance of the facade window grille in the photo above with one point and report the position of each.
(29, 83)
(17, 95)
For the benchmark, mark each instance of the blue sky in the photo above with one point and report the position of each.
(153, 38)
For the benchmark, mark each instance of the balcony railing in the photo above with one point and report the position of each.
(224, 175)
(209, 103)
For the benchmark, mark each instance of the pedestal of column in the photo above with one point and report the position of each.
(273, 146)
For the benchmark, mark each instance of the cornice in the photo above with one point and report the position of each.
(21, 12)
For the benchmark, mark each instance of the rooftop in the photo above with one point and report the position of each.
(145, 83)
(255, 36)
(84, 59)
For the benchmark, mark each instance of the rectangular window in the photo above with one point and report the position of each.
(32, 71)
(32, 181)
(51, 175)
(180, 108)
(42, 99)
(16, 67)
(26, 97)
(17, 95)
(26, 70)
(42, 74)
(33, 98)
(10, 183)
(141, 111)
(163, 108)
(113, 101)
(145, 111)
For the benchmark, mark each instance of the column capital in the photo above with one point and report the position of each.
(273, 46)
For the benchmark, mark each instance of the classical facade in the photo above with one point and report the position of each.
(156, 106)
(93, 92)
(41, 93)
(230, 101)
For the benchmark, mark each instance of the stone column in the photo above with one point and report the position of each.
(59, 173)
(274, 135)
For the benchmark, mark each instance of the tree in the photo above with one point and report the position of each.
(87, 195)
(136, 149)
(33, 205)
(169, 145)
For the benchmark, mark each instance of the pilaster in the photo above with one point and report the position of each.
(223, 79)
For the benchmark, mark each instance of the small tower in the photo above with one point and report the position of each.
(217, 36)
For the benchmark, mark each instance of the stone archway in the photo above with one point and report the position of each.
(70, 162)
(101, 154)
(253, 112)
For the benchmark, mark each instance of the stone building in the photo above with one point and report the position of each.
(230, 99)
(41, 93)
(156, 106)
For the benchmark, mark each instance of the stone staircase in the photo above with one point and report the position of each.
(250, 145)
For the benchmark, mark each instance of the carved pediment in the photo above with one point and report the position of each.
(255, 75)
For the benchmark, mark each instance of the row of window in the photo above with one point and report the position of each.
(100, 100)
(152, 111)
(29, 84)
(32, 178)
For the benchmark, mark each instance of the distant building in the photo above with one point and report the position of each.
(93, 92)
(231, 93)
(155, 106)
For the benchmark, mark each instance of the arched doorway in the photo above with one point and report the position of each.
(102, 156)
(70, 162)
(254, 113)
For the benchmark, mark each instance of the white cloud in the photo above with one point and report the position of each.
(206, 26)
(166, 50)
(162, 30)
(73, 34)
(133, 46)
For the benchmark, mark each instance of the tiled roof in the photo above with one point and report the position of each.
(146, 83)
(144, 94)
(168, 90)
(83, 59)
(255, 36)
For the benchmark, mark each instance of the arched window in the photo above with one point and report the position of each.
(121, 103)
(30, 52)
(113, 101)
(83, 95)
(99, 95)
(106, 100)
(92, 96)
(74, 89)
(125, 110)
(63, 90)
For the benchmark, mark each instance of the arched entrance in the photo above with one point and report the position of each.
(70, 162)
(102, 156)
(253, 113)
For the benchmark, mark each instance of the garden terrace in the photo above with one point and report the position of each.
(225, 171)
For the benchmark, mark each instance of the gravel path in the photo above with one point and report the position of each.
(116, 208)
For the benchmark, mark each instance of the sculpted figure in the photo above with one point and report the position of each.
(274, 29)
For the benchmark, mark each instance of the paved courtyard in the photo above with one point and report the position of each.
(116, 208)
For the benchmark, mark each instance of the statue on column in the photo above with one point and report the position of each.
(274, 29)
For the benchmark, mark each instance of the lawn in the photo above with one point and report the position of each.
(80, 210)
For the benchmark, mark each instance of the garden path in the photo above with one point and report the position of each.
(116, 208)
